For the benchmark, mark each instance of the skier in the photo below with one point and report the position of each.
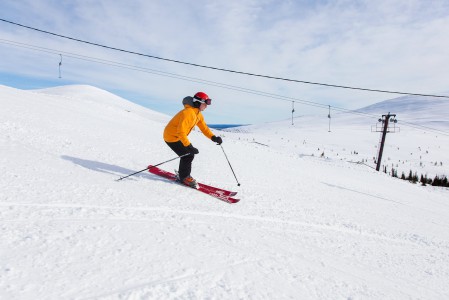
(180, 126)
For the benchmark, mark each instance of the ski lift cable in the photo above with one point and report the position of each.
(220, 69)
(208, 82)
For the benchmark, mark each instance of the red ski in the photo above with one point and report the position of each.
(218, 193)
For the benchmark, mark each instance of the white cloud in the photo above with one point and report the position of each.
(395, 45)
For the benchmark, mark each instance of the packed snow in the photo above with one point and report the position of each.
(313, 222)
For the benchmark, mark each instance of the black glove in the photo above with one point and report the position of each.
(192, 149)
(217, 139)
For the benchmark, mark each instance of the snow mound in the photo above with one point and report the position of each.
(428, 111)
(92, 95)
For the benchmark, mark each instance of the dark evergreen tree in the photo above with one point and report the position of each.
(394, 172)
(436, 181)
(444, 181)
(410, 176)
(415, 178)
(422, 180)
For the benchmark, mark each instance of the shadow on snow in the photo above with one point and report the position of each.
(106, 168)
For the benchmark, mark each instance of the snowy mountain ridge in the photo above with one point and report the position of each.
(94, 95)
(428, 111)
(410, 105)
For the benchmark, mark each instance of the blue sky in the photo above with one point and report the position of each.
(389, 45)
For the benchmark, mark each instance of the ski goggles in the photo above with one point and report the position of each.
(207, 101)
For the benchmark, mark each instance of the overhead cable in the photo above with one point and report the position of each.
(222, 69)
(208, 82)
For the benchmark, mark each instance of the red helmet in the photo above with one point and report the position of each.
(202, 98)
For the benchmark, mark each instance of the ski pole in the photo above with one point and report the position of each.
(147, 168)
(238, 183)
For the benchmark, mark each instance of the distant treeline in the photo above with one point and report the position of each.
(423, 179)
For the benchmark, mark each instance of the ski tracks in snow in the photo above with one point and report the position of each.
(304, 237)
(147, 213)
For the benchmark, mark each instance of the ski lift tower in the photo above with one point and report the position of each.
(385, 128)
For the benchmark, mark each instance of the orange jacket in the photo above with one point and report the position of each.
(182, 124)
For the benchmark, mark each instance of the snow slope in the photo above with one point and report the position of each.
(427, 111)
(419, 141)
(306, 228)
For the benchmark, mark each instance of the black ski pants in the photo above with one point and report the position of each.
(185, 164)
